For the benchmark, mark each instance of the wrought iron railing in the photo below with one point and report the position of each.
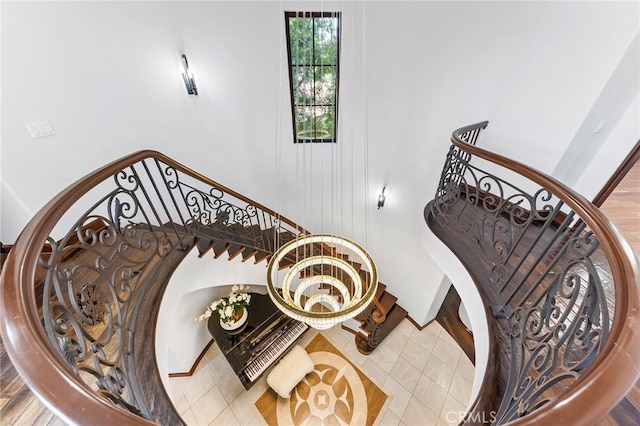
(559, 282)
(73, 316)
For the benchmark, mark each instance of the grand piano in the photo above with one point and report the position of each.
(265, 338)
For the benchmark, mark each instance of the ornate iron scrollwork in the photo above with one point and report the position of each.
(540, 261)
(92, 283)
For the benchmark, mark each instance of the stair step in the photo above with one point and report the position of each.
(248, 252)
(234, 250)
(203, 246)
(219, 247)
(260, 256)
(387, 301)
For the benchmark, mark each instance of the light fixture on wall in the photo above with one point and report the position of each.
(187, 75)
(381, 198)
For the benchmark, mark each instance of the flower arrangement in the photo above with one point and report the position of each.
(230, 307)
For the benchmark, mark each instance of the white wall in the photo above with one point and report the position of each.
(193, 286)
(457, 275)
(616, 102)
(107, 75)
(620, 142)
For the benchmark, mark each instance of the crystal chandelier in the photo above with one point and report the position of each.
(329, 279)
(323, 279)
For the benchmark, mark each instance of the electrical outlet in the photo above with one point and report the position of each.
(40, 129)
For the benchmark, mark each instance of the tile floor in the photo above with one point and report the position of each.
(425, 375)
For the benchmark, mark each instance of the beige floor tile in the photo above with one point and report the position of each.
(245, 410)
(406, 327)
(408, 360)
(218, 368)
(309, 336)
(399, 396)
(339, 338)
(388, 419)
(418, 414)
(231, 386)
(177, 385)
(416, 354)
(396, 340)
(446, 353)
(189, 418)
(199, 384)
(438, 372)
(447, 338)
(374, 372)
(226, 418)
(424, 338)
(466, 368)
(209, 406)
(181, 404)
(435, 328)
(405, 374)
(461, 389)
(452, 412)
(354, 356)
(430, 394)
(385, 357)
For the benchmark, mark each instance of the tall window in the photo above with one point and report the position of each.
(313, 48)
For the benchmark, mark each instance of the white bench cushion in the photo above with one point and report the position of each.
(289, 371)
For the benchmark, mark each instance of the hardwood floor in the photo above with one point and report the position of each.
(449, 319)
(623, 209)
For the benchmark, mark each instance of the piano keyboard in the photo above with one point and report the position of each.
(272, 353)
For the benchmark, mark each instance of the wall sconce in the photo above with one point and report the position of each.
(188, 77)
(381, 198)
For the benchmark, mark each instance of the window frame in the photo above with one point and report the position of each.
(313, 15)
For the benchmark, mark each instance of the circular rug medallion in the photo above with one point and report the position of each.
(328, 395)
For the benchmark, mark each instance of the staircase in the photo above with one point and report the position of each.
(115, 263)
(221, 239)
(368, 333)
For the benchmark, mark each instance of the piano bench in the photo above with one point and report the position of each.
(290, 371)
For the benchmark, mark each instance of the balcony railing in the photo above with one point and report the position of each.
(82, 286)
(83, 283)
(559, 283)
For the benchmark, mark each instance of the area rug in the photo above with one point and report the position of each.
(335, 393)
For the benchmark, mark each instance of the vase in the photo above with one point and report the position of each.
(235, 326)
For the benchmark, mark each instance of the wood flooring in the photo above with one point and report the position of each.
(623, 209)
(449, 319)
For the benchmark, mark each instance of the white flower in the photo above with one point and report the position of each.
(226, 306)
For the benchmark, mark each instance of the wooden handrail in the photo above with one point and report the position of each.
(41, 368)
(617, 367)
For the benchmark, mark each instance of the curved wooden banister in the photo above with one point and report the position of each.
(379, 314)
(27, 343)
(616, 367)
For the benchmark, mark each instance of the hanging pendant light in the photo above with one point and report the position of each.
(330, 279)
(324, 279)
